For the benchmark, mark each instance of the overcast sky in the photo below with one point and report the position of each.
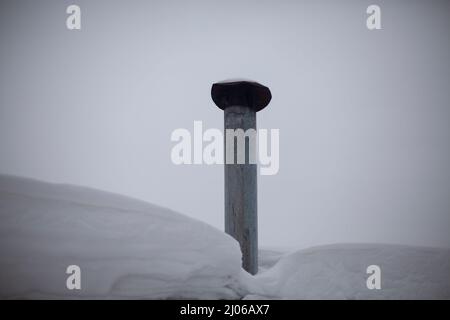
(364, 116)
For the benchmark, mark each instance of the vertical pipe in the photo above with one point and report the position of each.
(240, 100)
(241, 221)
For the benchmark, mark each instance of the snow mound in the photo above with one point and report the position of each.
(131, 249)
(125, 248)
(339, 272)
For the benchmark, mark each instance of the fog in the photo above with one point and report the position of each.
(364, 116)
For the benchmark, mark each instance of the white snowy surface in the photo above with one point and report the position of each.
(339, 272)
(124, 247)
(131, 249)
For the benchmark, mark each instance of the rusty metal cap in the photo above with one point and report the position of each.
(240, 93)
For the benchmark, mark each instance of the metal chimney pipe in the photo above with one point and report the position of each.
(240, 101)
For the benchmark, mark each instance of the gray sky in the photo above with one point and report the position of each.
(364, 116)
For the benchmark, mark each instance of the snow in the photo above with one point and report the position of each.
(268, 257)
(127, 248)
(339, 272)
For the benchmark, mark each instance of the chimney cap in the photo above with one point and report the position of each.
(240, 93)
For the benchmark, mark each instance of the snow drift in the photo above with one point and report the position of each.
(339, 272)
(125, 248)
(131, 249)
